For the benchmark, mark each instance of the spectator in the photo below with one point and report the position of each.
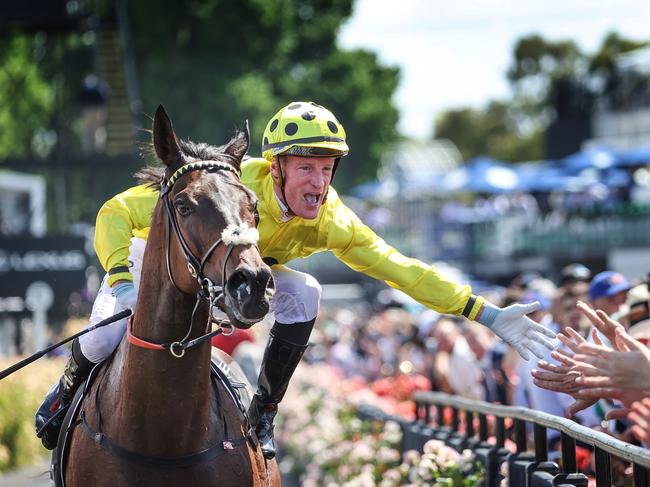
(611, 371)
(469, 382)
(564, 316)
(635, 309)
(608, 291)
(93, 97)
(573, 273)
(489, 354)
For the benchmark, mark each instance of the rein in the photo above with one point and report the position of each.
(177, 349)
(208, 290)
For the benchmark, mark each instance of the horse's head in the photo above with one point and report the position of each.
(214, 218)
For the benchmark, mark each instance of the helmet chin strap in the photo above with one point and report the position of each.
(336, 164)
(282, 181)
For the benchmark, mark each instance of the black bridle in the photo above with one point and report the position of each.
(208, 290)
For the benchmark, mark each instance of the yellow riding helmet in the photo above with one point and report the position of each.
(304, 129)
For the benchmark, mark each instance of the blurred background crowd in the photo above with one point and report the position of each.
(599, 381)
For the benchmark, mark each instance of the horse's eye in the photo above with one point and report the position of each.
(182, 208)
(256, 215)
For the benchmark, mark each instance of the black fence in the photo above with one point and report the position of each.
(526, 468)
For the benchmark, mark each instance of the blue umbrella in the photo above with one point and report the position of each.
(597, 158)
(634, 157)
(482, 175)
(547, 176)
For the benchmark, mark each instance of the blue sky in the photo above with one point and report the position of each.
(455, 53)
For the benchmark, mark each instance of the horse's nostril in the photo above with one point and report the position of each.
(238, 284)
(270, 284)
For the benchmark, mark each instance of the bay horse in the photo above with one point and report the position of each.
(153, 415)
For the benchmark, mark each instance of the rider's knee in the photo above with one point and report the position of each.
(311, 297)
(297, 298)
(99, 344)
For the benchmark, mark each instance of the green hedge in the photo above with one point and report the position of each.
(20, 395)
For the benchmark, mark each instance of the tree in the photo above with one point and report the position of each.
(26, 97)
(551, 81)
(538, 65)
(605, 73)
(488, 131)
(214, 64)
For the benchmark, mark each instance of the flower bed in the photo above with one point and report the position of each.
(325, 443)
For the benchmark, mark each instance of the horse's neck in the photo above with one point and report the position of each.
(155, 387)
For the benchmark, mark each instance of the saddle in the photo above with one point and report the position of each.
(224, 369)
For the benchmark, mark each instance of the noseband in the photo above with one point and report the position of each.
(208, 290)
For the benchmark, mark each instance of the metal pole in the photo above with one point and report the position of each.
(541, 448)
(520, 436)
(454, 419)
(603, 468)
(469, 423)
(440, 415)
(501, 431)
(482, 427)
(641, 476)
(568, 453)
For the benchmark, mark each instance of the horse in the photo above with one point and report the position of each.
(154, 414)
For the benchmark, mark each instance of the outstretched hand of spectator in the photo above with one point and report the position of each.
(561, 378)
(640, 416)
(601, 321)
(603, 367)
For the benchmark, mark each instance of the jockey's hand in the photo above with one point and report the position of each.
(515, 328)
(126, 294)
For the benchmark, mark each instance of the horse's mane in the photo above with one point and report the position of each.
(151, 175)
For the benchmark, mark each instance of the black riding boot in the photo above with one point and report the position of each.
(281, 357)
(60, 395)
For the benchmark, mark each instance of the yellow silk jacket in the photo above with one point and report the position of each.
(336, 229)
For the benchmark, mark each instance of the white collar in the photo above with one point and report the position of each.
(286, 214)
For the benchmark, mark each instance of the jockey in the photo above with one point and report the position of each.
(300, 215)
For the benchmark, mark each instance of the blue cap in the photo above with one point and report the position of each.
(607, 284)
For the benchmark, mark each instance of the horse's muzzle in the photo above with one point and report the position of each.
(249, 293)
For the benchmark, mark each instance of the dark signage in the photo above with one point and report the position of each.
(57, 262)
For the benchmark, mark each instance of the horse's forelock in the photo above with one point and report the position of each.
(151, 175)
(205, 152)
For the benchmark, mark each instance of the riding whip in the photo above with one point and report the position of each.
(37, 355)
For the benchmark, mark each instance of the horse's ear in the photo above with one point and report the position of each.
(164, 140)
(238, 146)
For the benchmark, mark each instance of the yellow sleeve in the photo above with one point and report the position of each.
(355, 244)
(116, 223)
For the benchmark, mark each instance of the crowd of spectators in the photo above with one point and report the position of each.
(594, 199)
(599, 374)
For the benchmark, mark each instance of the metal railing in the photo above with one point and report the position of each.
(523, 464)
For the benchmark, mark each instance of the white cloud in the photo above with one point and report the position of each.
(456, 53)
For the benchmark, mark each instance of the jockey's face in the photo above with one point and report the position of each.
(306, 180)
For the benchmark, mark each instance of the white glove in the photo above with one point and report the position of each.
(513, 326)
(126, 295)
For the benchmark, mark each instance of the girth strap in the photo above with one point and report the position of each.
(116, 450)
